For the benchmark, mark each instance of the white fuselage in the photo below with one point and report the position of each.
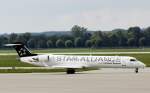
(68, 61)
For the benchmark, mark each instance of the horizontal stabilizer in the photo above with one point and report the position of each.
(12, 44)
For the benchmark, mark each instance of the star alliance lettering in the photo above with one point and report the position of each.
(86, 59)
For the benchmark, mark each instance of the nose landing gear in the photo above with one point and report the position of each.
(136, 70)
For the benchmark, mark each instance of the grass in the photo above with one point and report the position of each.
(12, 61)
(91, 50)
(65, 50)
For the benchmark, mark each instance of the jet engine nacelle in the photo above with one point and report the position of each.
(43, 58)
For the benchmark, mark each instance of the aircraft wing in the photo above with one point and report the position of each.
(68, 66)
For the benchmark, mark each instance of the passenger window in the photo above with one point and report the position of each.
(132, 60)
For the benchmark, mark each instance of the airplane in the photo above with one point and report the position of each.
(73, 62)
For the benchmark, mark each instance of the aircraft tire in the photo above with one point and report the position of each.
(70, 71)
(136, 70)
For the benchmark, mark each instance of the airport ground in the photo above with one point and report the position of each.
(96, 81)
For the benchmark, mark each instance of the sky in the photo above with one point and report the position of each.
(19, 16)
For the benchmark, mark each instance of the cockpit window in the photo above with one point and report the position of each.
(132, 59)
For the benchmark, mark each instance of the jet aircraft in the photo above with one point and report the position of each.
(73, 62)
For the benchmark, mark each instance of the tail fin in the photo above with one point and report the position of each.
(21, 49)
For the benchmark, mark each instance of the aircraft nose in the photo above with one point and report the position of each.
(142, 64)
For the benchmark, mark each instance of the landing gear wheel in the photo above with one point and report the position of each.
(70, 71)
(136, 70)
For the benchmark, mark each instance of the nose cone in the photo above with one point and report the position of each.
(142, 65)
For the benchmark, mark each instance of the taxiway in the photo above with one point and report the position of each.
(98, 81)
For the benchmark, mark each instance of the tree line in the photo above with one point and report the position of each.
(80, 37)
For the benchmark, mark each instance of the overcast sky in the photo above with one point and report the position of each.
(45, 15)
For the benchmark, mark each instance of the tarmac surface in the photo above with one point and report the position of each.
(98, 81)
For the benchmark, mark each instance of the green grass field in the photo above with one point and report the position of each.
(90, 50)
(66, 50)
(12, 61)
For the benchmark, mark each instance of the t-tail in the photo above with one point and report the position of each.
(21, 49)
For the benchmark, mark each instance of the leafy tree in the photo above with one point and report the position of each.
(80, 37)
(41, 44)
(134, 32)
(97, 35)
(53, 38)
(49, 44)
(113, 40)
(78, 42)
(26, 37)
(146, 33)
(97, 38)
(59, 43)
(88, 43)
(13, 37)
(142, 41)
(20, 38)
(121, 36)
(106, 41)
(78, 31)
(3, 40)
(68, 44)
(131, 42)
(32, 43)
(122, 42)
(98, 43)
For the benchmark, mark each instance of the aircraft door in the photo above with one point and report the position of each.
(132, 62)
(124, 63)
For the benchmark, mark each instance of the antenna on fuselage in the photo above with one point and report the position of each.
(91, 51)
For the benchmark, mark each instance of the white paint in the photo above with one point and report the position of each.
(68, 61)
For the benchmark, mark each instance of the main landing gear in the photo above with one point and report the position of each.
(136, 70)
(70, 71)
